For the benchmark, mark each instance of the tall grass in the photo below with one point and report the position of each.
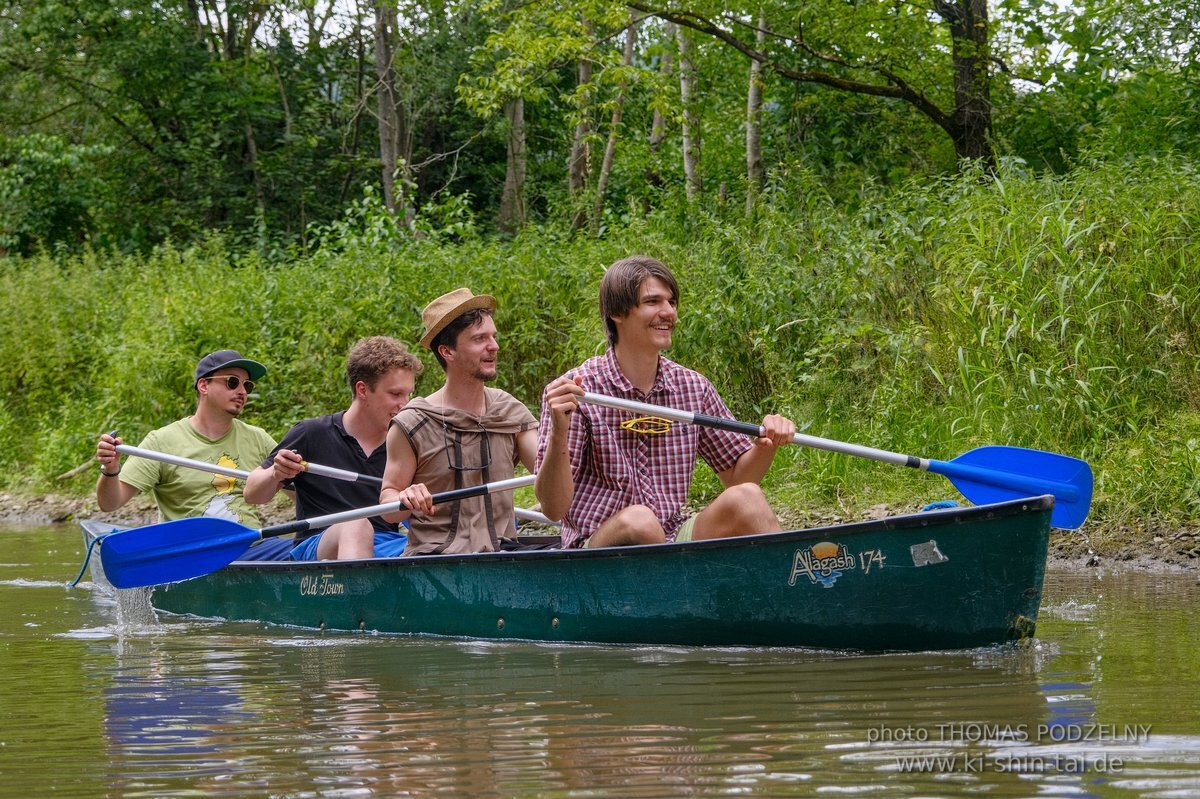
(1055, 313)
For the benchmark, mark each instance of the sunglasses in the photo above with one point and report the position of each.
(232, 382)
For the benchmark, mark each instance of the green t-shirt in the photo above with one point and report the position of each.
(182, 492)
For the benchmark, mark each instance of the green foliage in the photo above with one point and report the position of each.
(1055, 313)
(1171, 98)
(126, 126)
(47, 190)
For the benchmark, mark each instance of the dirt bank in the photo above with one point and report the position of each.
(63, 509)
(1141, 548)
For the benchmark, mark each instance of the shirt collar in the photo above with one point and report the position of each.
(339, 425)
(611, 371)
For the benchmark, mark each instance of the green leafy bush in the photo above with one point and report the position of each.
(1055, 313)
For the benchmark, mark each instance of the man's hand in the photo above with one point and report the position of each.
(417, 499)
(107, 455)
(562, 399)
(286, 465)
(777, 431)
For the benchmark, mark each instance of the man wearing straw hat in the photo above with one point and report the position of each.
(464, 434)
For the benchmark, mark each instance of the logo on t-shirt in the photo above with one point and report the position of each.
(220, 505)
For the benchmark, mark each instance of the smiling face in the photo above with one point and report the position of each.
(389, 395)
(474, 352)
(650, 324)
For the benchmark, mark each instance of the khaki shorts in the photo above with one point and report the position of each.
(686, 530)
(684, 534)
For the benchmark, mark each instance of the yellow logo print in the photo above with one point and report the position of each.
(223, 483)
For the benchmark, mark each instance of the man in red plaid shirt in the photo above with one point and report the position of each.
(616, 481)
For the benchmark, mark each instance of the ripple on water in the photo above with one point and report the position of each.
(137, 706)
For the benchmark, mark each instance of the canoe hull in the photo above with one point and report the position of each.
(949, 579)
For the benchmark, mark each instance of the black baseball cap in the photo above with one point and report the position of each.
(222, 359)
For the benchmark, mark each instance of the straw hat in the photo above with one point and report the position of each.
(448, 307)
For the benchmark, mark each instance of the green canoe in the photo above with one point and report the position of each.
(945, 579)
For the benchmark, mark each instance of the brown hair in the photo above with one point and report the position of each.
(621, 283)
(372, 358)
(448, 335)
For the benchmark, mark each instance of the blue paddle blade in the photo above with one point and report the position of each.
(173, 551)
(999, 473)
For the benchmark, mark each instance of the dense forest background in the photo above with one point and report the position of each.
(915, 225)
(131, 124)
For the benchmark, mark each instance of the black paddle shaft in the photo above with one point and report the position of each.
(303, 525)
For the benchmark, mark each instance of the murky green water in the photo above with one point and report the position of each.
(97, 699)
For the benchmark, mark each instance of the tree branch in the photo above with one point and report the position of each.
(896, 86)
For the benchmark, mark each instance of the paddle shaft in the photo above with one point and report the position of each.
(315, 468)
(1061, 490)
(302, 525)
(534, 516)
(754, 430)
(240, 474)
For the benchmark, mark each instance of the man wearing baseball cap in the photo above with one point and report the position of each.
(213, 434)
(464, 434)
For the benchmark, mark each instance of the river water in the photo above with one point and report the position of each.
(99, 698)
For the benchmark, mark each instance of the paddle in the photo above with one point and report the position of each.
(534, 516)
(315, 468)
(187, 548)
(983, 475)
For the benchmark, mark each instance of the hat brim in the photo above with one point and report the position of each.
(255, 369)
(473, 303)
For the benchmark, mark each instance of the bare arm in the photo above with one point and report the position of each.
(265, 482)
(754, 463)
(554, 485)
(398, 479)
(527, 449)
(111, 491)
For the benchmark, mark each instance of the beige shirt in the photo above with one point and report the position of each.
(456, 449)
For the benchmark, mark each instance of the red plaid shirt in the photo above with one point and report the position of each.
(614, 468)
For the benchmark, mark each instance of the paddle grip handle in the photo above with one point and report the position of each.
(732, 425)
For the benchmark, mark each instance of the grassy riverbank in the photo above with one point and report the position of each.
(1054, 313)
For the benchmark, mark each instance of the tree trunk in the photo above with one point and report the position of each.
(972, 115)
(610, 147)
(392, 124)
(360, 79)
(512, 200)
(579, 165)
(968, 123)
(691, 119)
(260, 197)
(658, 127)
(754, 159)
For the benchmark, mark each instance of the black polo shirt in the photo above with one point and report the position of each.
(324, 440)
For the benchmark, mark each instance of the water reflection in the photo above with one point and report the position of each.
(150, 712)
(389, 715)
(188, 707)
